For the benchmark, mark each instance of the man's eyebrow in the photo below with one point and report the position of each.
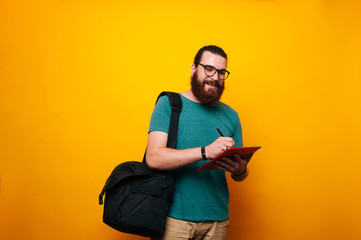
(223, 69)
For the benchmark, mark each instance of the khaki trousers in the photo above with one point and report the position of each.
(184, 230)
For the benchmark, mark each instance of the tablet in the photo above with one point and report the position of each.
(241, 151)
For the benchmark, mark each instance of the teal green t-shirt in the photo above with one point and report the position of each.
(199, 195)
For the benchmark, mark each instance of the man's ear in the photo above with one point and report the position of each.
(193, 68)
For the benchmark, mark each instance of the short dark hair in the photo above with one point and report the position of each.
(210, 48)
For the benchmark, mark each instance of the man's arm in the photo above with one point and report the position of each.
(160, 157)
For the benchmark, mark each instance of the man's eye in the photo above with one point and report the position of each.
(210, 69)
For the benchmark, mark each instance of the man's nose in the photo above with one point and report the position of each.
(215, 76)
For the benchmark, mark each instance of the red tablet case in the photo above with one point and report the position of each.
(242, 151)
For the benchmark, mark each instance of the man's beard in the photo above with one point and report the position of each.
(211, 96)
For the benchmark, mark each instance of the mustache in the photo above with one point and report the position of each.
(212, 82)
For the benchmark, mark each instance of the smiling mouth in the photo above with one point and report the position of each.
(212, 84)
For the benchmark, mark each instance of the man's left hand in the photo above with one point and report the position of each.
(236, 165)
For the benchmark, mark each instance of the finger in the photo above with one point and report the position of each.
(222, 166)
(224, 146)
(229, 162)
(221, 163)
(237, 157)
(228, 140)
(236, 164)
(228, 145)
(225, 139)
(245, 158)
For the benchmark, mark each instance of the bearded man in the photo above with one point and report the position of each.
(200, 203)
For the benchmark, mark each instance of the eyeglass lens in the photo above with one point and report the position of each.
(210, 71)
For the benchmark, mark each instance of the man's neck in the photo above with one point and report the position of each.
(189, 94)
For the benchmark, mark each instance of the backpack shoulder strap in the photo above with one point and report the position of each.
(175, 102)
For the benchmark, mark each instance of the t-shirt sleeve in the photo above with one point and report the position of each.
(161, 116)
(237, 136)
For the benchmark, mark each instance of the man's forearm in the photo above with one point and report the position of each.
(169, 159)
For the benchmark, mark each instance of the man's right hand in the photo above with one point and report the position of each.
(217, 147)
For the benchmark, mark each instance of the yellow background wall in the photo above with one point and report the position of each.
(78, 81)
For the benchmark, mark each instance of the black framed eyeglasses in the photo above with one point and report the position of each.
(210, 71)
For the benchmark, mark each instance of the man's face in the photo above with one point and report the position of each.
(208, 90)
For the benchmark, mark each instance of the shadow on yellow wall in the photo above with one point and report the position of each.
(78, 81)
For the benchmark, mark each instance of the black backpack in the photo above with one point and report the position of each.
(137, 198)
